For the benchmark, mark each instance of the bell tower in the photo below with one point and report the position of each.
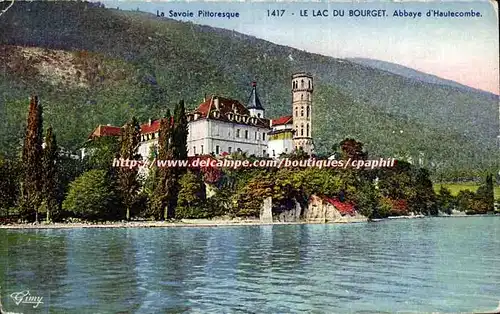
(302, 89)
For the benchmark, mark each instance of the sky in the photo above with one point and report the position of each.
(462, 49)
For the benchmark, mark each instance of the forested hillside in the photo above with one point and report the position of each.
(92, 65)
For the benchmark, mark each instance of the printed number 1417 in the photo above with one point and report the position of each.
(275, 12)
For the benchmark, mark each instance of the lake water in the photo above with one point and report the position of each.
(414, 265)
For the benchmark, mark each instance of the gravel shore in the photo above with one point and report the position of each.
(165, 224)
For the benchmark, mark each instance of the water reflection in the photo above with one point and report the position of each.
(447, 265)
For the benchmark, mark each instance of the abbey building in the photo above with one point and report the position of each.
(221, 125)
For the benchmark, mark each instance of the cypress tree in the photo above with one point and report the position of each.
(179, 151)
(31, 185)
(180, 132)
(49, 160)
(127, 178)
(163, 188)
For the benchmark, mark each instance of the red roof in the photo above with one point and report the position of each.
(152, 127)
(282, 120)
(228, 110)
(343, 207)
(106, 130)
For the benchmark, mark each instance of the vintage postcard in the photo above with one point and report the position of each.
(249, 157)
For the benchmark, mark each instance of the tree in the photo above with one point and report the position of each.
(163, 189)
(179, 152)
(190, 202)
(446, 202)
(9, 183)
(32, 182)
(180, 132)
(50, 188)
(423, 198)
(91, 196)
(101, 152)
(352, 149)
(485, 193)
(127, 178)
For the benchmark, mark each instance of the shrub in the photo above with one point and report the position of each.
(91, 196)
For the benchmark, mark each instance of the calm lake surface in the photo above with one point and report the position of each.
(414, 265)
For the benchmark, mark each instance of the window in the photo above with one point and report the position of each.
(308, 111)
(309, 84)
(296, 112)
(302, 84)
(307, 130)
(202, 149)
(302, 130)
(217, 149)
(229, 149)
(301, 96)
(194, 150)
(264, 153)
(286, 150)
(274, 154)
(302, 111)
(237, 132)
(246, 134)
(263, 136)
(255, 135)
(258, 115)
(153, 135)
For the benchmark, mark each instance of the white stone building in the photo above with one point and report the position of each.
(281, 136)
(221, 125)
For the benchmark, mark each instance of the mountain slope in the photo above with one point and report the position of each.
(417, 75)
(132, 63)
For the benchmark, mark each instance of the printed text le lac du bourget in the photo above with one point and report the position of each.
(322, 13)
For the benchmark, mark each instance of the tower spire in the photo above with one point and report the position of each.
(254, 105)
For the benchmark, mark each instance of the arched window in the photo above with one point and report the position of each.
(301, 96)
(302, 130)
(296, 112)
(302, 84)
(309, 84)
(307, 130)
(307, 109)
(301, 111)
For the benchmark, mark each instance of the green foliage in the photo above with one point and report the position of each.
(485, 193)
(161, 202)
(50, 204)
(423, 200)
(249, 198)
(128, 184)
(100, 152)
(446, 202)
(68, 169)
(367, 200)
(353, 149)
(163, 60)
(190, 203)
(9, 183)
(92, 196)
